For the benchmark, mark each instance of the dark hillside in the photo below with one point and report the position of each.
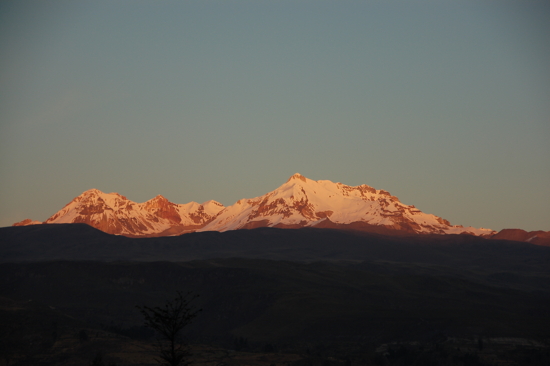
(82, 242)
(504, 263)
(284, 302)
(318, 290)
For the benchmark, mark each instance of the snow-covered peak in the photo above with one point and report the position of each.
(212, 203)
(304, 202)
(92, 191)
(115, 214)
(95, 195)
(297, 176)
(212, 207)
(157, 201)
(297, 203)
(159, 197)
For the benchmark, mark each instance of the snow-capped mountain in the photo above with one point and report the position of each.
(304, 202)
(115, 214)
(299, 202)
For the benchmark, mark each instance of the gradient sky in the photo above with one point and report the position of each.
(445, 104)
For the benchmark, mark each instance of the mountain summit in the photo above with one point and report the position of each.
(115, 214)
(299, 202)
(304, 202)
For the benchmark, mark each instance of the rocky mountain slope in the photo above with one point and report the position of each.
(299, 202)
(115, 214)
(304, 202)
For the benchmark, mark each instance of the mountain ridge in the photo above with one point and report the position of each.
(303, 202)
(113, 213)
(299, 202)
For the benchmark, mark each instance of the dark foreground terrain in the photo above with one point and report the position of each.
(282, 297)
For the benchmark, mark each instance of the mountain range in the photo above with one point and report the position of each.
(299, 202)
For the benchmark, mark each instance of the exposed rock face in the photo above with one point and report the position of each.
(160, 208)
(115, 214)
(297, 203)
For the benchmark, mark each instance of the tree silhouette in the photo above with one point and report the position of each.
(168, 322)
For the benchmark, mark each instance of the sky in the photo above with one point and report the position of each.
(445, 104)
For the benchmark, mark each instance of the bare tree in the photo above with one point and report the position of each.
(168, 322)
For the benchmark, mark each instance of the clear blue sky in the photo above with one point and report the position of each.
(445, 104)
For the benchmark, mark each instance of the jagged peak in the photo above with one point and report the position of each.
(157, 201)
(99, 193)
(297, 176)
(159, 197)
(92, 191)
